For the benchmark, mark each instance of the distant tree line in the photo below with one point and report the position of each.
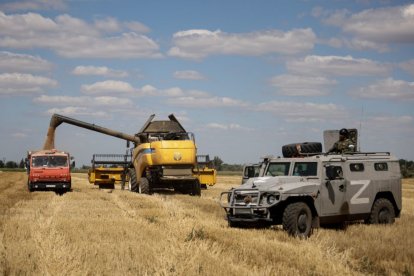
(11, 164)
(407, 168)
(219, 165)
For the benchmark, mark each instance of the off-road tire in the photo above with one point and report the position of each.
(382, 212)
(297, 220)
(132, 183)
(234, 224)
(195, 188)
(307, 147)
(144, 186)
(30, 187)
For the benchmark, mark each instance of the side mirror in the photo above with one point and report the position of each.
(72, 166)
(249, 172)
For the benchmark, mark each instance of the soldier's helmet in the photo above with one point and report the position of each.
(344, 132)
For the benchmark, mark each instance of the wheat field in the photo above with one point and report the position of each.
(90, 231)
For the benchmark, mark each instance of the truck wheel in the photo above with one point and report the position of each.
(132, 183)
(144, 187)
(29, 187)
(297, 220)
(291, 150)
(382, 212)
(196, 188)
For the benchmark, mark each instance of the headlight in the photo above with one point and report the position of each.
(271, 199)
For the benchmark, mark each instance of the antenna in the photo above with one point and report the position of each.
(360, 128)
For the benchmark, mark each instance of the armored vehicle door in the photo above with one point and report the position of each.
(333, 191)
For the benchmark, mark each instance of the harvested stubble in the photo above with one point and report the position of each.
(92, 231)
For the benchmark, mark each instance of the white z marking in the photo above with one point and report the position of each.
(356, 199)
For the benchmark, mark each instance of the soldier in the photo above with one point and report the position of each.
(344, 144)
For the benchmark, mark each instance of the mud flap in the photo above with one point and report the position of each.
(315, 222)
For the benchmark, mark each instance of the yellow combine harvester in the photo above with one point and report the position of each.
(109, 169)
(205, 172)
(164, 154)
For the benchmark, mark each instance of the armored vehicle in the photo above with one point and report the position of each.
(302, 193)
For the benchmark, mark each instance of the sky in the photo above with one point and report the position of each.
(246, 77)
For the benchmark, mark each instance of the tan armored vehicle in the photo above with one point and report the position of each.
(312, 189)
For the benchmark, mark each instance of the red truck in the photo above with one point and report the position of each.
(48, 170)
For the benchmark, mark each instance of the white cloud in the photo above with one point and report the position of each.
(118, 87)
(174, 92)
(72, 111)
(231, 127)
(206, 102)
(13, 62)
(388, 89)
(108, 86)
(83, 101)
(99, 71)
(303, 112)
(72, 37)
(21, 84)
(23, 5)
(408, 66)
(148, 90)
(108, 24)
(179, 92)
(188, 75)
(198, 44)
(137, 27)
(356, 44)
(336, 65)
(387, 25)
(297, 85)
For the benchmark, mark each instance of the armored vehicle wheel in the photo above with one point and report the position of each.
(293, 150)
(382, 212)
(132, 183)
(297, 220)
(144, 186)
(234, 224)
(196, 188)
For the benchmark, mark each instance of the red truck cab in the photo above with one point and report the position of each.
(48, 170)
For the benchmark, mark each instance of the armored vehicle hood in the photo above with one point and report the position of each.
(284, 184)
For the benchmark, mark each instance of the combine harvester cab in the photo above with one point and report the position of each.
(48, 170)
(165, 158)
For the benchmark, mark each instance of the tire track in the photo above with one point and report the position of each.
(45, 234)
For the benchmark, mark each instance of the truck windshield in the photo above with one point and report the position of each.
(278, 169)
(49, 161)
